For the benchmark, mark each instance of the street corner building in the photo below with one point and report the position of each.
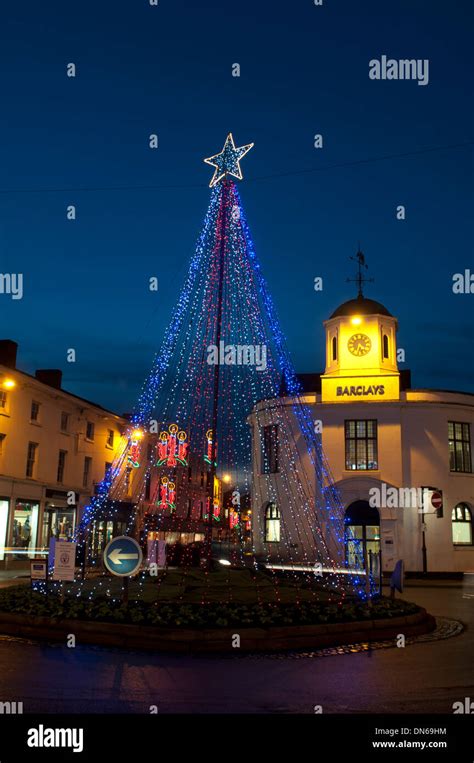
(400, 457)
(55, 448)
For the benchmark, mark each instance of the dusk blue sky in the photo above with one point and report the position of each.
(167, 70)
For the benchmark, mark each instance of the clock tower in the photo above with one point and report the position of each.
(361, 353)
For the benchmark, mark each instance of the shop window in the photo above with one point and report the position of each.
(90, 430)
(459, 447)
(35, 409)
(58, 522)
(87, 471)
(272, 523)
(461, 522)
(361, 444)
(61, 465)
(64, 421)
(31, 458)
(4, 509)
(270, 449)
(25, 527)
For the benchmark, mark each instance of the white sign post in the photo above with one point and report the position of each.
(64, 560)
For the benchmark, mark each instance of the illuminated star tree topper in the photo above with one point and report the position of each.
(228, 161)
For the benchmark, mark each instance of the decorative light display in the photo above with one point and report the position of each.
(225, 299)
(133, 458)
(167, 499)
(228, 162)
(209, 447)
(172, 447)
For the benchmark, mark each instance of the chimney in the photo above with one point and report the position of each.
(50, 376)
(8, 350)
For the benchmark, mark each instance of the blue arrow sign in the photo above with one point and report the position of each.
(123, 556)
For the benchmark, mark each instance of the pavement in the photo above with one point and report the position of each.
(424, 677)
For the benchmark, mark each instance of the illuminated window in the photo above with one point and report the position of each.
(385, 346)
(272, 523)
(361, 444)
(31, 458)
(334, 348)
(270, 449)
(459, 447)
(461, 523)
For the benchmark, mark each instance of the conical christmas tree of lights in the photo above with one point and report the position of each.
(222, 407)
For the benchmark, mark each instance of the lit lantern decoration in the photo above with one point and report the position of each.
(133, 458)
(167, 498)
(172, 447)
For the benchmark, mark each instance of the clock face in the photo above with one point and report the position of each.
(359, 344)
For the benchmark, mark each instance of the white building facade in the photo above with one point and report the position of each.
(54, 449)
(400, 458)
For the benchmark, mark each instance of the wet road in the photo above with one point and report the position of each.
(422, 678)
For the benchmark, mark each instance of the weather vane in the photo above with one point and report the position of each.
(228, 161)
(359, 279)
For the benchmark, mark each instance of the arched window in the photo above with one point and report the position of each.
(385, 346)
(334, 348)
(272, 523)
(461, 519)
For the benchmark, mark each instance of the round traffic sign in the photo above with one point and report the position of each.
(436, 500)
(123, 556)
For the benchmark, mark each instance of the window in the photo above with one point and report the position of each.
(110, 438)
(2, 440)
(87, 471)
(57, 523)
(61, 465)
(64, 421)
(108, 470)
(31, 458)
(35, 409)
(461, 519)
(270, 449)
(334, 348)
(3, 399)
(90, 430)
(459, 447)
(272, 523)
(25, 526)
(361, 444)
(385, 346)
